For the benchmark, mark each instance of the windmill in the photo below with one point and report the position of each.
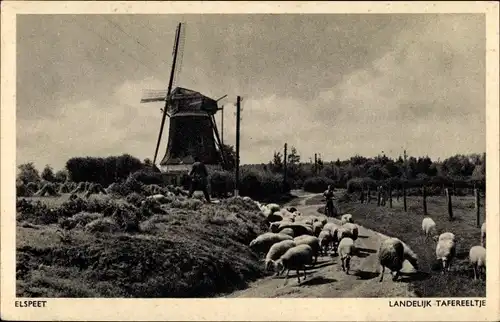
(193, 130)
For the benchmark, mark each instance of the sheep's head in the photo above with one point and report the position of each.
(279, 267)
(269, 265)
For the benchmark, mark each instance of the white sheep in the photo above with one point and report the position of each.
(392, 253)
(317, 228)
(477, 258)
(346, 251)
(346, 218)
(264, 242)
(273, 207)
(445, 251)
(295, 258)
(275, 226)
(276, 251)
(312, 241)
(331, 226)
(348, 230)
(325, 239)
(334, 229)
(428, 227)
(483, 234)
(446, 235)
(287, 231)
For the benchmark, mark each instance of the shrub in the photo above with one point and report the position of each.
(147, 177)
(317, 184)
(260, 184)
(103, 225)
(221, 183)
(358, 184)
(135, 199)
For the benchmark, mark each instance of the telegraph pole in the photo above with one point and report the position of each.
(284, 168)
(222, 125)
(315, 163)
(237, 174)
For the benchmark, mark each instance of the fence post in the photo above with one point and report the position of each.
(404, 196)
(424, 195)
(450, 206)
(477, 206)
(390, 196)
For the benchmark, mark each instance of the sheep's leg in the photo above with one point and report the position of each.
(298, 275)
(474, 269)
(305, 274)
(343, 267)
(382, 273)
(348, 265)
(395, 277)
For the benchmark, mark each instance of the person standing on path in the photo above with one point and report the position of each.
(328, 194)
(199, 178)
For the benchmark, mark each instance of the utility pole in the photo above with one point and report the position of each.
(315, 163)
(237, 174)
(222, 125)
(284, 168)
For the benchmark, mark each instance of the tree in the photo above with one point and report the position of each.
(48, 174)
(230, 156)
(277, 162)
(28, 173)
(61, 176)
(293, 157)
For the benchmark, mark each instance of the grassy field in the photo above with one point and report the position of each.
(184, 249)
(407, 226)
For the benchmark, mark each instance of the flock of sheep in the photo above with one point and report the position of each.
(446, 248)
(295, 241)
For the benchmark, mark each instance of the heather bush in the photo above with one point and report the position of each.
(317, 184)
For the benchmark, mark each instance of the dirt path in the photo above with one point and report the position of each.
(327, 279)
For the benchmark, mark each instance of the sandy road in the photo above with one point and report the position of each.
(327, 279)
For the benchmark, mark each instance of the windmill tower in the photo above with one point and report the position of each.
(192, 131)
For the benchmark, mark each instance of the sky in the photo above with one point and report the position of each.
(336, 85)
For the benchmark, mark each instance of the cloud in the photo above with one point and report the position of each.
(362, 86)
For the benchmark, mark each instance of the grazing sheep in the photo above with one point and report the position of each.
(263, 242)
(273, 207)
(447, 235)
(428, 227)
(346, 251)
(317, 228)
(295, 258)
(312, 241)
(298, 229)
(445, 251)
(346, 218)
(392, 253)
(275, 253)
(273, 217)
(348, 230)
(483, 234)
(477, 258)
(287, 231)
(325, 239)
(275, 226)
(331, 226)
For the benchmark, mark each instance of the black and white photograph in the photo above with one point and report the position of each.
(215, 155)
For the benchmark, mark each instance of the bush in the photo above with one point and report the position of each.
(317, 184)
(358, 184)
(221, 183)
(260, 184)
(148, 177)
